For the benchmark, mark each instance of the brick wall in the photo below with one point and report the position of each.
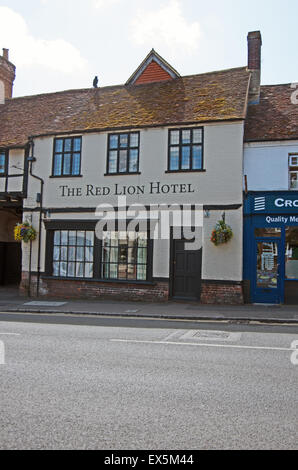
(156, 292)
(222, 293)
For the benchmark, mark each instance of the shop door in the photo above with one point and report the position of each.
(268, 286)
(186, 271)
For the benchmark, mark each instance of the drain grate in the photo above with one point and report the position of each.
(204, 335)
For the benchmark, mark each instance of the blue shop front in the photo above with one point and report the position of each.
(271, 247)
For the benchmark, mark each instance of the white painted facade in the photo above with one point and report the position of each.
(266, 165)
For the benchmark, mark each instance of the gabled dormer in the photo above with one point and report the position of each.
(153, 69)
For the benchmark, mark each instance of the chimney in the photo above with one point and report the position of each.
(5, 54)
(254, 40)
(7, 76)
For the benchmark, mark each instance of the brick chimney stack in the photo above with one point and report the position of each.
(7, 76)
(254, 40)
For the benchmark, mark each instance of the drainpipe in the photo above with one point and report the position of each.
(39, 199)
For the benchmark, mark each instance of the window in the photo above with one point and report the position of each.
(73, 253)
(293, 171)
(291, 253)
(185, 150)
(3, 163)
(67, 156)
(124, 256)
(268, 232)
(123, 153)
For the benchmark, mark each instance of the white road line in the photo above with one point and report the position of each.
(10, 334)
(264, 348)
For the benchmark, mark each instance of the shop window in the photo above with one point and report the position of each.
(293, 172)
(3, 162)
(185, 150)
(123, 153)
(67, 156)
(267, 232)
(73, 253)
(291, 261)
(124, 256)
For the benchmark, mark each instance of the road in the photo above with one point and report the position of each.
(168, 386)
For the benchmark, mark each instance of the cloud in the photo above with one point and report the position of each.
(104, 3)
(27, 50)
(165, 27)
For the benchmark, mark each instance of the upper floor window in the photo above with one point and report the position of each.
(123, 153)
(67, 156)
(185, 149)
(293, 171)
(3, 162)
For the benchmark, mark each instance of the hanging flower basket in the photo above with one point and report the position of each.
(24, 232)
(222, 233)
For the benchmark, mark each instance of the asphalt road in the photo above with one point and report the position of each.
(66, 386)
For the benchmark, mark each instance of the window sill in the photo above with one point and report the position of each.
(66, 176)
(104, 281)
(123, 174)
(185, 171)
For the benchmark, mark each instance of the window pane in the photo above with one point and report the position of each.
(123, 140)
(72, 237)
(80, 270)
(197, 157)
(63, 269)
(113, 141)
(267, 232)
(71, 253)
(76, 163)
(71, 269)
(63, 253)
(113, 162)
(80, 238)
(294, 180)
(197, 136)
(185, 164)
(89, 270)
(2, 163)
(174, 158)
(134, 140)
(292, 253)
(175, 138)
(56, 253)
(133, 161)
(141, 273)
(58, 165)
(66, 164)
(186, 137)
(64, 237)
(55, 269)
(89, 253)
(80, 253)
(89, 238)
(57, 237)
(123, 161)
(77, 144)
(59, 145)
(67, 145)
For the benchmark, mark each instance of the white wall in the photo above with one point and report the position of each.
(266, 165)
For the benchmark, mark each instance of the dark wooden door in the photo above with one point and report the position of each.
(186, 271)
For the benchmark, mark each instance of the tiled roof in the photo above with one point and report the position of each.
(192, 99)
(275, 117)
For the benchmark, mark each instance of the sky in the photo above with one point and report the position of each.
(62, 44)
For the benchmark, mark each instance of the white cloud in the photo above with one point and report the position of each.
(104, 3)
(27, 50)
(165, 27)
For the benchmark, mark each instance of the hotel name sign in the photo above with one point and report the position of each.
(90, 190)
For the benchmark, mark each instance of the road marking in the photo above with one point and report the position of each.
(264, 348)
(10, 334)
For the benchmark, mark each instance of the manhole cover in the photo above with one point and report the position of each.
(210, 335)
(45, 304)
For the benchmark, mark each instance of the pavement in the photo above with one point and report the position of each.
(11, 301)
(80, 387)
